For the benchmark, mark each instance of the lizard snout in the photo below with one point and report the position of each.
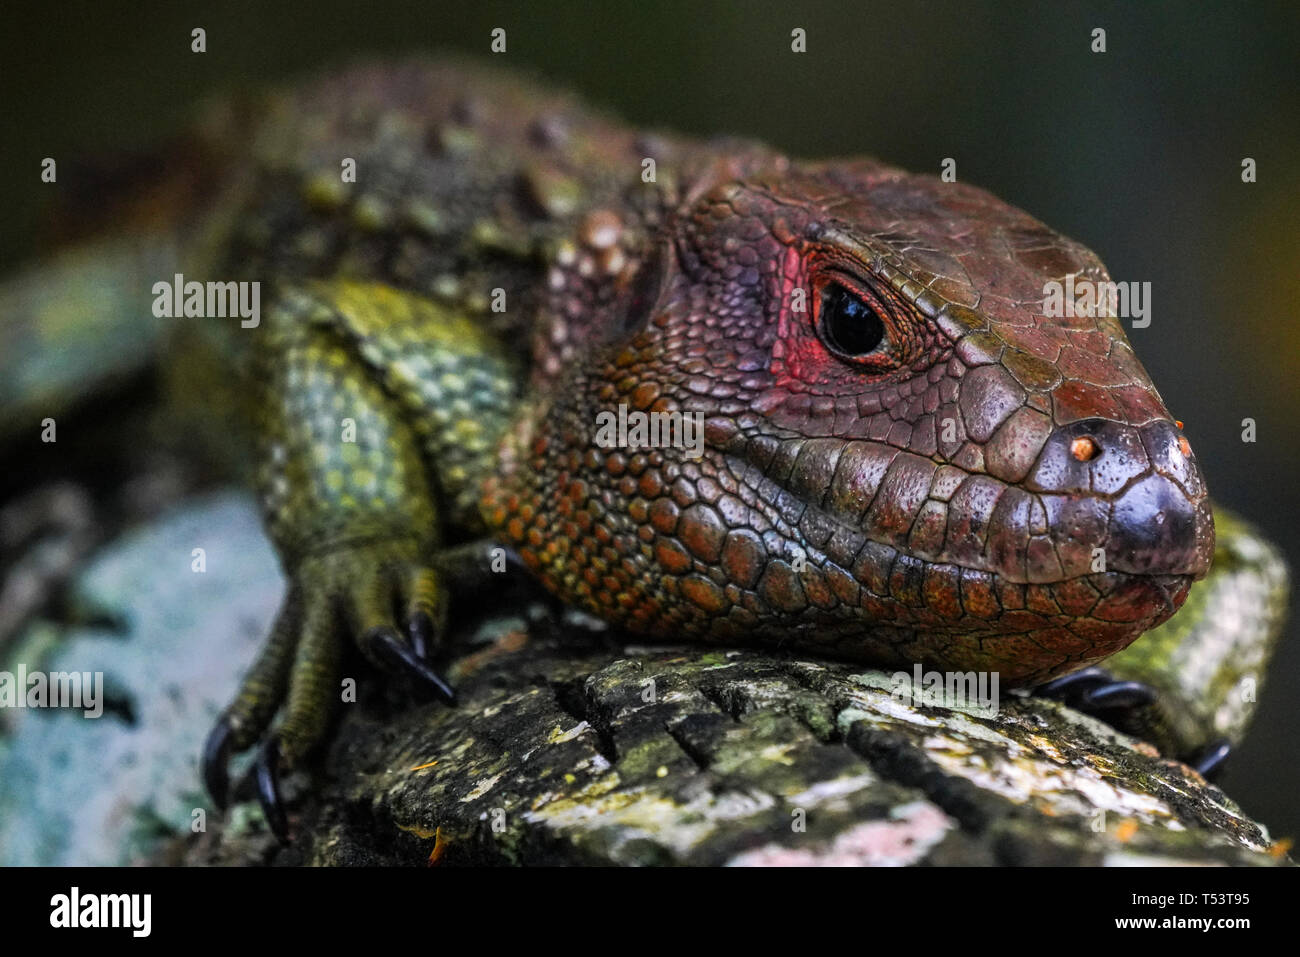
(1129, 496)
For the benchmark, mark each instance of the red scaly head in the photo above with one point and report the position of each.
(905, 459)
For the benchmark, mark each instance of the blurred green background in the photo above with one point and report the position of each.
(1136, 152)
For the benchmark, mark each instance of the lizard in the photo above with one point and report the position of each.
(902, 457)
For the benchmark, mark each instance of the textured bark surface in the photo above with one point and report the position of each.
(560, 753)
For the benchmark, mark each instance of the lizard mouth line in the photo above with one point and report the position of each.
(979, 524)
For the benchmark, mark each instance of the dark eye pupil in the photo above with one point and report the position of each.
(849, 325)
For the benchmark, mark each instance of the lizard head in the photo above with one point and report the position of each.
(905, 458)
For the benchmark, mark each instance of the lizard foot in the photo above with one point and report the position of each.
(1124, 705)
(377, 593)
(1094, 691)
(1128, 706)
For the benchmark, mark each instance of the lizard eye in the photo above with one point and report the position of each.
(850, 326)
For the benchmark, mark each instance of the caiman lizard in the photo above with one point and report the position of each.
(904, 458)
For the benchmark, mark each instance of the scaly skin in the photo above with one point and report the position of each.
(971, 550)
(928, 501)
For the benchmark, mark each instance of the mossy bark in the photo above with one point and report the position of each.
(570, 748)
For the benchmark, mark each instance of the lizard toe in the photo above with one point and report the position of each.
(387, 648)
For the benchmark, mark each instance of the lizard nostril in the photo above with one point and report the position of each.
(1084, 449)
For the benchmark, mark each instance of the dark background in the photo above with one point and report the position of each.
(1136, 152)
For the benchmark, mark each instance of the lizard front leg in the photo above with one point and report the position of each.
(361, 435)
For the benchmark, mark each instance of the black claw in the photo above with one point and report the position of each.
(268, 790)
(1210, 760)
(1072, 683)
(420, 628)
(389, 649)
(1117, 694)
(216, 758)
(1093, 689)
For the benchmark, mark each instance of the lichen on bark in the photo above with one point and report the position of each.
(572, 748)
